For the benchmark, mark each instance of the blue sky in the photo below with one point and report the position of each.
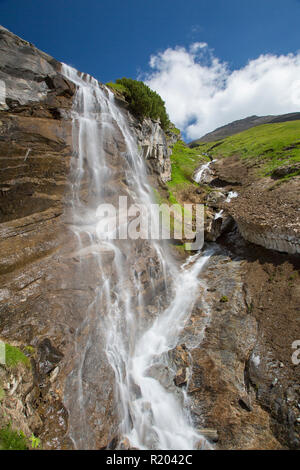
(111, 39)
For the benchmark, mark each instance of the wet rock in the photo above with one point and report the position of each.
(48, 357)
(218, 378)
(212, 227)
(214, 198)
(156, 146)
(181, 377)
(60, 85)
(112, 445)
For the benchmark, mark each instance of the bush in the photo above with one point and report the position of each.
(119, 88)
(143, 102)
(12, 440)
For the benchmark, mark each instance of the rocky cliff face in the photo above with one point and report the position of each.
(43, 294)
(35, 153)
(157, 148)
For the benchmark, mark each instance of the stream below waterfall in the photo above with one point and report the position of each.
(134, 277)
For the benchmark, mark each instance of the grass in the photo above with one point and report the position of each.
(173, 217)
(184, 162)
(271, 145)
(174, 129)
(14, 356)
(118, 87)
(12, 440)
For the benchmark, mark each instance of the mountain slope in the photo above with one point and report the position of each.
(243, 124)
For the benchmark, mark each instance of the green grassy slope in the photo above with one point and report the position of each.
(271, 145)
(184, 161)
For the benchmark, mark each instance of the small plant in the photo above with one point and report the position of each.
(35, 441)
(30, 350)
(250, 307)
(12, 440)
(293, 276)
(224, 299)
(173, 129)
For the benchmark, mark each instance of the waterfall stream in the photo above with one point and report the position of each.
(143, 298)
(202, 171)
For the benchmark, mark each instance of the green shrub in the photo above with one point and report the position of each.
(12, 440)
(35, 441)
(30, 350)
(224, 299)
(143, 102)
(174, 130)
(119, 88)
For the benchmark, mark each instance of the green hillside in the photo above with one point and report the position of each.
(269, 146)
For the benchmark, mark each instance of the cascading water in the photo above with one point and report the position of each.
(136, 343)
(231, 195)
(201, 172)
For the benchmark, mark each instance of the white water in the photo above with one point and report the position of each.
(219, 214)
(231, 195)
(201, 171)
(155, 417)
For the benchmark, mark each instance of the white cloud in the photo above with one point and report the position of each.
(202, 93)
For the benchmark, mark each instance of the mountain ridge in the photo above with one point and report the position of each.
(241, 125)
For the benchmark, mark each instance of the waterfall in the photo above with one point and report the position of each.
(201, 172)
(143, 298)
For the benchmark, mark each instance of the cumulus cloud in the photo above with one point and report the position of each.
(202, 93)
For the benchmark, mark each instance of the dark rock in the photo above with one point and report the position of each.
(49, 357)
(181, 377)
(60, 85)
(244, 402)
(282, 171)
